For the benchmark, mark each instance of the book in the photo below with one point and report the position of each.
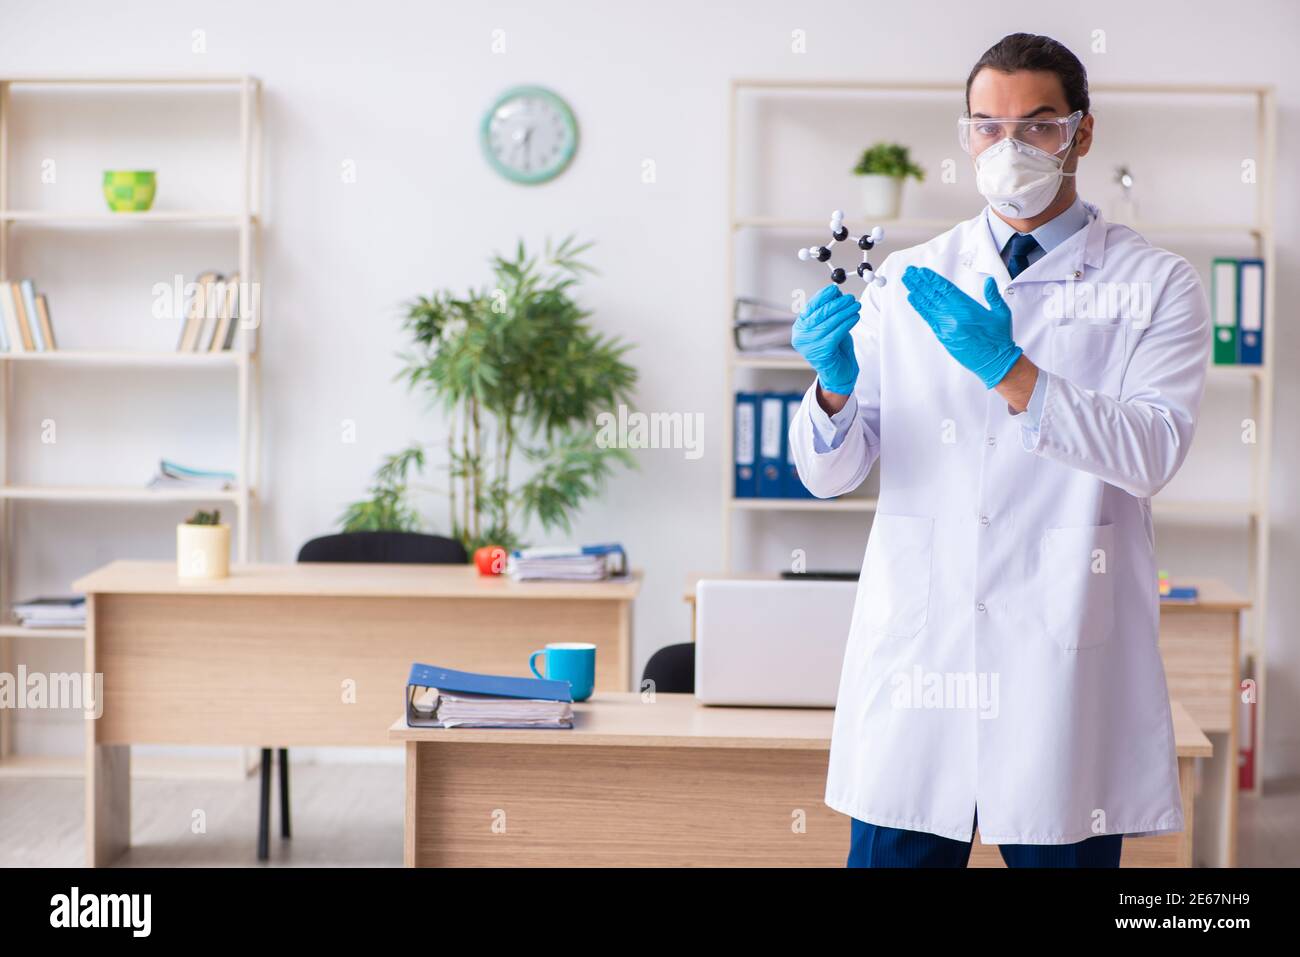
(47, 328)
(20, 318)
(7, 327)
(28, 290)
(445, 698)
(223, 332)
(197, 313)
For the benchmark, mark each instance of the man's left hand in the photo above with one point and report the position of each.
(977, 337)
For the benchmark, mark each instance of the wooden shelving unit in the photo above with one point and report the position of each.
(1252, 513)
(98, 217)
(243, 223)
(123, 357)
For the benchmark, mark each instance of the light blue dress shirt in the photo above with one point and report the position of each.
(829, 430)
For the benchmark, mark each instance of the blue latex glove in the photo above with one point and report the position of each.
(821, 334)
(978, 338)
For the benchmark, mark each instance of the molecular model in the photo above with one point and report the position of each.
(839, 233)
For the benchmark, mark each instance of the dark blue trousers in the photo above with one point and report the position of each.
(874, 846)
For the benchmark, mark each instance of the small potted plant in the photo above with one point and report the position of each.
(203, 546)
(883, 168)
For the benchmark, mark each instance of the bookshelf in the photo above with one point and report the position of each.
(818, 99)
(237, 368)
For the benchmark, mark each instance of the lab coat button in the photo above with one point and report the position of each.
(992, 440)
(984, 520)
(980, 606)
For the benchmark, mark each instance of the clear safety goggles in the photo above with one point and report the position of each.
(1051, 134)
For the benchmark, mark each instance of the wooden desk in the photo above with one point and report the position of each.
(672, 783)
(312, 654)
(1200, 646)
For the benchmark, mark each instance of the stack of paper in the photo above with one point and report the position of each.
(464, 710)
(51, 613)
(444, 698)
(172, 475)
(568, 562)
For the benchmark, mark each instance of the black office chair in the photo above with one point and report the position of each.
(672, 669)
(401, 548)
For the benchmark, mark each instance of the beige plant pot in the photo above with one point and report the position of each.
(202, 551)
(881, 196)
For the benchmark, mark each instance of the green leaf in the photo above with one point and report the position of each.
(888, 159)
(526, 357)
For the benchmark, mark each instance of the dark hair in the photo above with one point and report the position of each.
(1026, 51)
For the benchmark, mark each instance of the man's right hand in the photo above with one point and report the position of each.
(821, 336)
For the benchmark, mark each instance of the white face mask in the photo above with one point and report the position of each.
(1017, 179)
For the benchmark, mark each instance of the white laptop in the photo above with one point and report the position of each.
(771, 642)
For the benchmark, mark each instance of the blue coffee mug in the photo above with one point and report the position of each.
(571, 661)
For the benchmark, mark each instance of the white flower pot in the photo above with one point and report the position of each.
(881, 195)
(202, 551)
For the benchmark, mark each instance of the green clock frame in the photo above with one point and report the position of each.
(542, 176)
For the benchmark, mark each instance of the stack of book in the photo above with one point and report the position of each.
(172, 475)
(568, 562)
(445, 698)
(762, 328)
(212, 314)
(26, 318)
(52, 613)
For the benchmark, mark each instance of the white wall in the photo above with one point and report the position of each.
(399, 88)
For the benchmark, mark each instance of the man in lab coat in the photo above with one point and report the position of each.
(1028, 381)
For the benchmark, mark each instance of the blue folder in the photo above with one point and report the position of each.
(1250, 311)
(794, 487)
(470, 682)
(745, 452)
(772, 445)
(500, 686)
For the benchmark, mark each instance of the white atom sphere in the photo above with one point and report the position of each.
(803, 255)
(877, 234)
(837, 216)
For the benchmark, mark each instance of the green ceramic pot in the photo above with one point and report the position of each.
(129, 190)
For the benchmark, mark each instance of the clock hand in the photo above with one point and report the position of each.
(528, 142)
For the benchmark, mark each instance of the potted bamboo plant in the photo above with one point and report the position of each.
(203, 547)
(520, 375)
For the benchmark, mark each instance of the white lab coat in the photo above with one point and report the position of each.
(1017, 564)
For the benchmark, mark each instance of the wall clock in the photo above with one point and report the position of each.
(529, 135)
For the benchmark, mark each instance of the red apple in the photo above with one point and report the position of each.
(490, 559)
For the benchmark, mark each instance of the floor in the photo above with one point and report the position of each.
(351, 815)
(343, 816)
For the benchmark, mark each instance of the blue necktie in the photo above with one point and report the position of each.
(1021, 245)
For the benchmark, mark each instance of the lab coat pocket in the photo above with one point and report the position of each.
(896, 575)
(1076, 585)
(1090, 354)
